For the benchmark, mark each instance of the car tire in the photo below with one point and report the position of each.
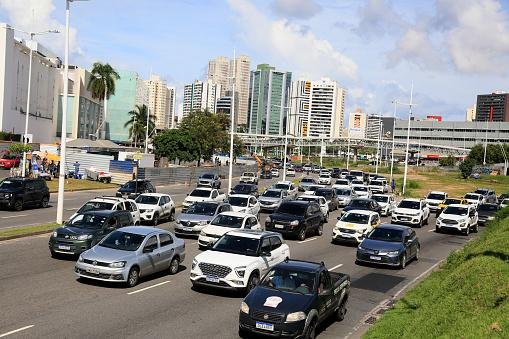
(417, 253)
(427, 220)
(319, 230)
(174, 265)
(311, 330)
(18, 205)
(53, 254)
(437, 229)
(253, 280)
(421, 223)
(44, 202)
(155, 219)
(302, 234)
(467, 231)
(402, 262)
(476, 228)
(133, 277)
(341, 312)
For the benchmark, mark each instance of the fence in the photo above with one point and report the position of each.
(121, 171)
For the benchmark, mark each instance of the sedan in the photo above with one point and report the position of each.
(387, 244)
(129, 253)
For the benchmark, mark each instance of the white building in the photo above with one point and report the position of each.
(357, 125)
(201, 96)
(159, 101)
(471, 113)
(172, 106)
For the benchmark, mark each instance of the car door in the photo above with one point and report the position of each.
(267, 261)
(133, 209)
(325, 295)
(254, 206)
(408, 243)
(150, 256)
(277, 252)
(30, 194)
(473, 216)
(166, 251)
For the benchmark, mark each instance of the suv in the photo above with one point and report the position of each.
(85, 230)
(461, 218)
(113, 204)
(296, 218)
(489, 195)
(209, 180)
(17, 192)
(435, 198)
(155, 207)
(133, 188)
(249, 178)
(413, 212)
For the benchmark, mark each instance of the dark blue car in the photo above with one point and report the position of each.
(387, 244)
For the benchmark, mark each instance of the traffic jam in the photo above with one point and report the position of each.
(244, 238)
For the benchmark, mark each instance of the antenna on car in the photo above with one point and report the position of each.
(322, 263)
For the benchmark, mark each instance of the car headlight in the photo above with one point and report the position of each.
(117, 264)
(440, 219)
(85, 236)
(177, 221)
(241, 271)
(360, 231)
(55, 234)
(193, 265)
(80, 259)
(392, 252)
(361, 248)
(294, 223)
(491, 218)
(295, 316)
(203, 222)
(244, 308)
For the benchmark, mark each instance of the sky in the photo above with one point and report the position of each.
(449, 50)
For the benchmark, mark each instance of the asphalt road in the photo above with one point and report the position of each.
(40, 296)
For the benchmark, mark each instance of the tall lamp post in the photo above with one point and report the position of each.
(232, 122)
(408, 138)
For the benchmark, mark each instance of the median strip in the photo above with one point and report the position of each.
(25, 231)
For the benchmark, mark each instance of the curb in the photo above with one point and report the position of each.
(18, 236)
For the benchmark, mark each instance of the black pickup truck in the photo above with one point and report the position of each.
(292, 299)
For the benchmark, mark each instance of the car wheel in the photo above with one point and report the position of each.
(476, 228)
(44, 202)
(427, 220)
(18, 205)
(252, 282)
(155, 219)
(417, 253)
(319, 230)
(420, 223)
(174, 265)
(437, 229)
(133, 277)
(402, 263)
(53, 254)
(326, 219)
(467, 231)
(311, 330)
(341, 312)
(302, 234)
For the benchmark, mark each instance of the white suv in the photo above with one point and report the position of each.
(435, 198)
(223, 223)
(414, 212)
(458, 217)
(113, 204)
(354, 225)
(155, 207)
(238, 260)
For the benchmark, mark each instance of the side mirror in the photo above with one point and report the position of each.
(148, 250)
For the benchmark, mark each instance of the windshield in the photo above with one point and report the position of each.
(307, 180)
(272, 194)
(294, 209)
(289, 281)
(472, 196)
(360, 188)
(415, 205)
(324, 175)
(376, 183)
(238, 201)
(202, 208)
(147, 199)
(242, 188)
(481, 191)
(131, 185)
(200, 193)
(356, 173)
(355, 218)
(343, 192)
(207, 176)
(386, 234)
(8, 184)
(281, 186)
(359, 203)
(357, 182)
(122, 241)
(303, 198)
(327, 193)
(95, 205)
(456, 210)
(87, 221)
(9, 157)
(380, 198)
(436, 196)
(342, 182)
(227, 221)
(488, 208)
(248, 174)
(452, 201)
(237, 245)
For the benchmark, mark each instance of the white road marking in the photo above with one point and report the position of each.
(15, 216)
(16, 331)
(431, 230)
(149, 287)
(72, 209)
(337, 266)
(307, 240)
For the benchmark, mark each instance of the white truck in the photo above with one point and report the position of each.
(249, 178)
(200, 194)
(238, 260)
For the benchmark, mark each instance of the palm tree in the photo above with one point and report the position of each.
(102, 84)
(138, 123)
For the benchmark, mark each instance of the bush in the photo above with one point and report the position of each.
(412, 184)
(449, 161)
(466, 168)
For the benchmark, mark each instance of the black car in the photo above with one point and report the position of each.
(296, 218)
(249, 189)
(486, 212)
(335, 172)
(363, 204)
(134, 188)
(18, 193)
(85, 230)
(330, 195)
(351, 177)
(292, 299)
(266, 175)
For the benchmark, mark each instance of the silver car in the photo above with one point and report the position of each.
(131, 252)
(345, 195)
(197, 216)
(272, 198)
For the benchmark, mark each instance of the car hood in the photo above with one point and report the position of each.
(239, 208)
(223, 258)
(285, 217)
(76, 230)
(406, 211)
(290, 302)
(350, 225)
(194, 217)
(269, 200)
(146, 206)
(106, 254)
(197, 199)
(453, 216)
(217, 230)
(381, 245)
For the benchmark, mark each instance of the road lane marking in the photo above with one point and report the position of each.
(337, 266)
(431, 231)
(15, 216)
(307, 240)
(72, 209)
(148, 287)
(16, 331)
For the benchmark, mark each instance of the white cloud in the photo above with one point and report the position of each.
(289, 44)
(300, 9)
(38, 15)
(378, 17)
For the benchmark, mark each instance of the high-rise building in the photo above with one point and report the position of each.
(377, 124)
(299, 108)
(159, 101)
(470, 114)
(269, 98)
(201, 96)
(172, 106)
(357, 124)
(498, 102)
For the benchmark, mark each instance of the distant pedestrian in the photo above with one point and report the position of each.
(393, 185)
(76, 169)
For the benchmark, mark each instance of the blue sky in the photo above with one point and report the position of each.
(451, 50)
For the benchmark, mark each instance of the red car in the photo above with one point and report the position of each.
(9, 161)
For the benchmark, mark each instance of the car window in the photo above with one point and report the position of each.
(120, 206)
(128, 206)
(275, 243)
(165, 239)
(324, 283)
(133, 206)
(151, 243)
(265, 245)
(253, 221)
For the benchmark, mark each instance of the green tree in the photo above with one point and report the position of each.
(466, 168)
(449, 161)
(176, 144)
(494, 153)
(137, 124)
(19, 148)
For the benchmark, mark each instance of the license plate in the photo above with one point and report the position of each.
(279, 226)
(64, 247)
(373, 257)
(346, 236)
(211, 278)
(187, 229)
(264, 326)
(92, 270)
(405, 218)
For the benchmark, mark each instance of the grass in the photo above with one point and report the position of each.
(26, 230)
(468, 297)
(79, 185)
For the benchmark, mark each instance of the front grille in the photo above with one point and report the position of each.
(94, 275)
(271, 317)
(219, 271)
(96, 263)
(449, 221)
(433, 203)
(347, 230)
(189, 223)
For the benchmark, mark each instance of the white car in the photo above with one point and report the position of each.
(156, 206)
(324, 178)
(324, 205)
(362, 191)
(354, 225)
(310, 190)
(414, 212)
(341, 183)
(386, 202)
(238, 260)
(113, 204)
(343, 174)
(288, 186)
(244, 203)
(290, 172)
(474, 198)
(435, 198)
(378, 186)
(358, 174)
(504, 203)
(224, 222)
(275, 172)
(249, 178)
(462, 218)
(200, 194)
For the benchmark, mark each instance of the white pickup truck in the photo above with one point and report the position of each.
(249, 178)
(200, 194)
(238, 260)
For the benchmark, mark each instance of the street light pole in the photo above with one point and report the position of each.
(378, 142)
(408, 139)
(393, 129)
(348, 151)
(232, 122)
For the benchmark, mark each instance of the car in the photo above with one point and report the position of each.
(362, 190)
(306, 182)
(155, 207)
(275, 172)
(489, 195)
(449, 201)
(474, 198)
(131, 252)
(288, 186)
(272, 198)
(353, 226)
(344, 174)
(17, 193)
(387, 244)
(111, 203)
(335, 173)
(250, 189)
(265, 175)
(9, 161)
(324, 206)
(290, 172)
(462, 218)
(502, 197)
(330, 195)
(133, 188)
(362, 204)
(310, 190)
(238, 260)
(244, 203)
(324, 178)
(85, 230)
(414, 212)
(435, 198)
(249, 178)
(378, 186)
(200, 194)
(359, 175)
(486, 213)
(386, 202)
(293, 299)
(296, 219)
(344, 195)
(225, 222)
(504, 203)
(341, 183)
(307, 167)
(197, 216)
(209, 180)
